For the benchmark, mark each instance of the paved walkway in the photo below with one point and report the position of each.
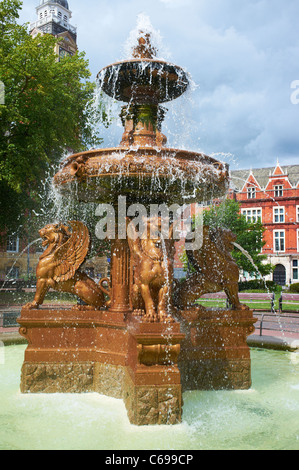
(276, 331)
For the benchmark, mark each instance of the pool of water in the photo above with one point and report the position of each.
(264, 417)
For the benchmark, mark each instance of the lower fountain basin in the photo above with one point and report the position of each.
(264, 417)
(143, 174)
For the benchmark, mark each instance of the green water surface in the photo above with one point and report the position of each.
(264, 417)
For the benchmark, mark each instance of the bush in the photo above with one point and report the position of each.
(258, 284)
(294, 288)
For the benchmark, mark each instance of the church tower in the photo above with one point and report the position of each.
(53, 17)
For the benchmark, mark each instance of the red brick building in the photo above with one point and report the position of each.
(272, 196)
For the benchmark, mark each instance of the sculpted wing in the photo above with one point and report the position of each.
(72, 253)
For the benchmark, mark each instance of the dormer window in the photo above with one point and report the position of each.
(278, 190)
(251, 192)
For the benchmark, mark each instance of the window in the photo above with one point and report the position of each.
(251, 192)
(278, 191)
(65, 18)
(279, 241)
(295, 270)
(46, 13)
(60, 14)
(278, 215)
(12, 245)
(252, 215)
(297, 213)
(41, 16)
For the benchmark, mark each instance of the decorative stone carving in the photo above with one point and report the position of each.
(215, 270)
(58, 266)
(57, 378)
(153, 271)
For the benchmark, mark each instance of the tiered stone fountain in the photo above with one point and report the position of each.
(137, 340)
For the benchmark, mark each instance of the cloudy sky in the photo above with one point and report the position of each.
(243, 56)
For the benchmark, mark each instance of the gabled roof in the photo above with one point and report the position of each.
(251, 181)
(240, 177)
(70, 38)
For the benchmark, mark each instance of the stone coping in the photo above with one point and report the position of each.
(273, 342)
(267, 342)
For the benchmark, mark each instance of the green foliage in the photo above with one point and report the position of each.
(44, 113)
(294, 288)
(249, 236)
(260, 285)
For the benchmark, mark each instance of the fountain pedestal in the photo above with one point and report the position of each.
(215, 354)
(153, 392)
(77, 351)
(145, 364)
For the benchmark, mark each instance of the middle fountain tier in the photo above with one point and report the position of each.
(142, 168)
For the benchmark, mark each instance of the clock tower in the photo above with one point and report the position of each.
(53, 17)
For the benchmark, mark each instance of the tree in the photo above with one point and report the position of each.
(46, 111)
(250, 236)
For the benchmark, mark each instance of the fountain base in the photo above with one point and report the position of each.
(148, 365)
(215, 354)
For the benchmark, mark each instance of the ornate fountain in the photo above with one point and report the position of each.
(141, 338)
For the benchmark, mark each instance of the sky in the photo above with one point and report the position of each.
(242, 55)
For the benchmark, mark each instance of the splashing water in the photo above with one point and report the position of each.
(249, 257)
(144, 25)
(16, 260)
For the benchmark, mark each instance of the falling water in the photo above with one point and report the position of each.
(268, 290)
(249, 257)
(16, 260)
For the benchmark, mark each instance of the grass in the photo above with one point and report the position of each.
(255, 305)
(10, 299)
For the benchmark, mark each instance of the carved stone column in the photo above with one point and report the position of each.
(120, 277)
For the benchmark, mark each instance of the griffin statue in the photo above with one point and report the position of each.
(58, 266)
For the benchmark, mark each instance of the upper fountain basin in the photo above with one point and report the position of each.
(143, 80)
(147, 175)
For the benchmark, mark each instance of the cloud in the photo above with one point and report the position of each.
(243, 56)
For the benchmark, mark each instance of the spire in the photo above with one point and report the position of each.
(53, 17)
(63, 3)
(278, 170)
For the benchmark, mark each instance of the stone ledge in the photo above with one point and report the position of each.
(273, 342)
